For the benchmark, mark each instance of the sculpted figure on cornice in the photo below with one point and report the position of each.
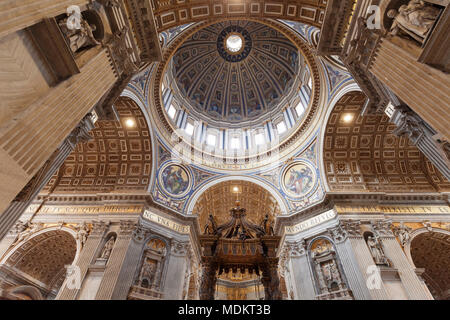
(267, 224)
(403, 233)
(414, 19)
(82, 233)
(25, 230)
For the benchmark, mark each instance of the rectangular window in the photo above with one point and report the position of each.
(281, 127)
(211, 140)
(259, 139)
(235, 143)
(299, 109)
(189, 129)
(172, 111)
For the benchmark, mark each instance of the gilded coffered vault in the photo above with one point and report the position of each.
(363, 153)
(117, 159)
(225, 150)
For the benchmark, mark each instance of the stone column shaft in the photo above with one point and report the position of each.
(130, 265)
(423, 88)
(176, 270)
(26, 143)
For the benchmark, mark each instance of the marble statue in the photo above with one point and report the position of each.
(82, 234)
(403, 234)
(79, 38)
(377, 251)
(415, 19)
(26, 230)
(107, 249)
(148, 272)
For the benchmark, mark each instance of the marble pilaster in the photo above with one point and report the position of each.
(353, 274)
(87, 256)
(411, 282)
(116, 260)
(176, 270)
(365, 260)
(300, 272)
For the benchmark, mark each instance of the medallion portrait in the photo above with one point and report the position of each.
(175, 180)
(299, 179)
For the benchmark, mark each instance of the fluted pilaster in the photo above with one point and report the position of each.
(353, 274)
(410, 280)
(116, 259)
(130, 264)
(364, 259)
(298, 264)
(85, 259)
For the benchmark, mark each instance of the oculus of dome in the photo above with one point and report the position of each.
(234, 43)
(231, 36)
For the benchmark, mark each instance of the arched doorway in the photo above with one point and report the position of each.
(39, 262)
(431, 251)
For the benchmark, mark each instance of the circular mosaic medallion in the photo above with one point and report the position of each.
(175, 180)
(234, 43)
(299, 179)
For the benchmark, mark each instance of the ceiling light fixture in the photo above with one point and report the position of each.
(348, 117)
(130, 123)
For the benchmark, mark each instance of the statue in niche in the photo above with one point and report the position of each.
(332, 276)
(107, 249)
(414, 19)
(152, 265)
(79, 38)
(376, 249)
(148, 274)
